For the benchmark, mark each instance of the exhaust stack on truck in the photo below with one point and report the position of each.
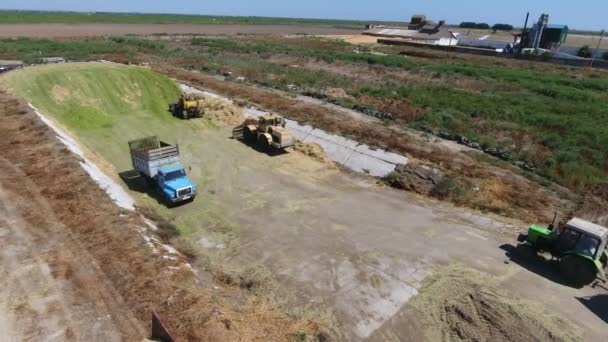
(160, 164)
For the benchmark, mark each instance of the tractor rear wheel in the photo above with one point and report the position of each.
(263, 143)
(577, 270)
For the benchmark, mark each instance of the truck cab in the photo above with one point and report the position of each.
(175, 184)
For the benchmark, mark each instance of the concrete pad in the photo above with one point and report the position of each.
(335, 152)
(374, 301)
(365, 164)
(388, 157)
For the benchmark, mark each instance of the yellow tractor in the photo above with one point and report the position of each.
(267, 132)
(187, 107)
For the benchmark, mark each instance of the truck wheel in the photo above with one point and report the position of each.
(577, 271)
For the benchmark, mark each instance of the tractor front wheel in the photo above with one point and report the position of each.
(248, 135)
(577, 270)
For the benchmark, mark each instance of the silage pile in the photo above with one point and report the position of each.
(218, 110)
(314, 151)
(460, 304)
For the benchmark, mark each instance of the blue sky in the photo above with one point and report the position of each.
(582, 14)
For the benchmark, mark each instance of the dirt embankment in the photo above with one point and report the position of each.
(594, 205)
(460, 304)
(476, 182)
(101, 253)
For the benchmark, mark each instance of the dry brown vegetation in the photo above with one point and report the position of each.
(460, 304)
(402, 110)
(139, 278)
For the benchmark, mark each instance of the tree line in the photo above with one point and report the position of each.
(485, 26)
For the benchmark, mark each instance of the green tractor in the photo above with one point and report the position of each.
(580, 247)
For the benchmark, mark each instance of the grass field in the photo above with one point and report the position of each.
(547, 117)
(34, 17)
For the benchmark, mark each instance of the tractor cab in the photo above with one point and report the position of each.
(581, 237)
(266, 123)
(579, 246)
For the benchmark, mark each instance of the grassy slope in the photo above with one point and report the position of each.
(105, 106)
(94, 99)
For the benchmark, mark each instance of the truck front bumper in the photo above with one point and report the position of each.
(181, 199)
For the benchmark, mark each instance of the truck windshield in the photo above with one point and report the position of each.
(175, 175)
(587, 245)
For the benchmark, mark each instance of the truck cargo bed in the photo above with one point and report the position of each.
(149, 154)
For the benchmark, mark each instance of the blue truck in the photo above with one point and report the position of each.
(160, 164)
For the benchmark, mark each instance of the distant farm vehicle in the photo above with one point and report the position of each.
(187, 107)
(267, 132)
(579, 246)
(159, 163)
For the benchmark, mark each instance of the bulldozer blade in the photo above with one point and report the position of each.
(237, 133)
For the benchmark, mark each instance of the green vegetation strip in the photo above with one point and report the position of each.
(34, 17)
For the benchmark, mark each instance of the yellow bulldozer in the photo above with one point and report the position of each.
(268, 132)
(187, 107)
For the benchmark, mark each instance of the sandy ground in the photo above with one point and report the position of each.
(88, 30)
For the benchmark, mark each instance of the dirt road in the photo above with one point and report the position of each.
(91, 30)
(46, 276)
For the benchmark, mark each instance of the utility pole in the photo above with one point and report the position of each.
(598, 47)
(447, 51)
(523, 34)
(601, 37)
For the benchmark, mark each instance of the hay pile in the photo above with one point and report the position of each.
(460, 304)
(314, 151)
(218, 110)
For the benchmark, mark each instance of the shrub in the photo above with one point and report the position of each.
(139, 43)
(467, 24)
(448, 188)
(605, 56)
(186, 248)
(502, 27)
(473, 25)
(585, 52)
